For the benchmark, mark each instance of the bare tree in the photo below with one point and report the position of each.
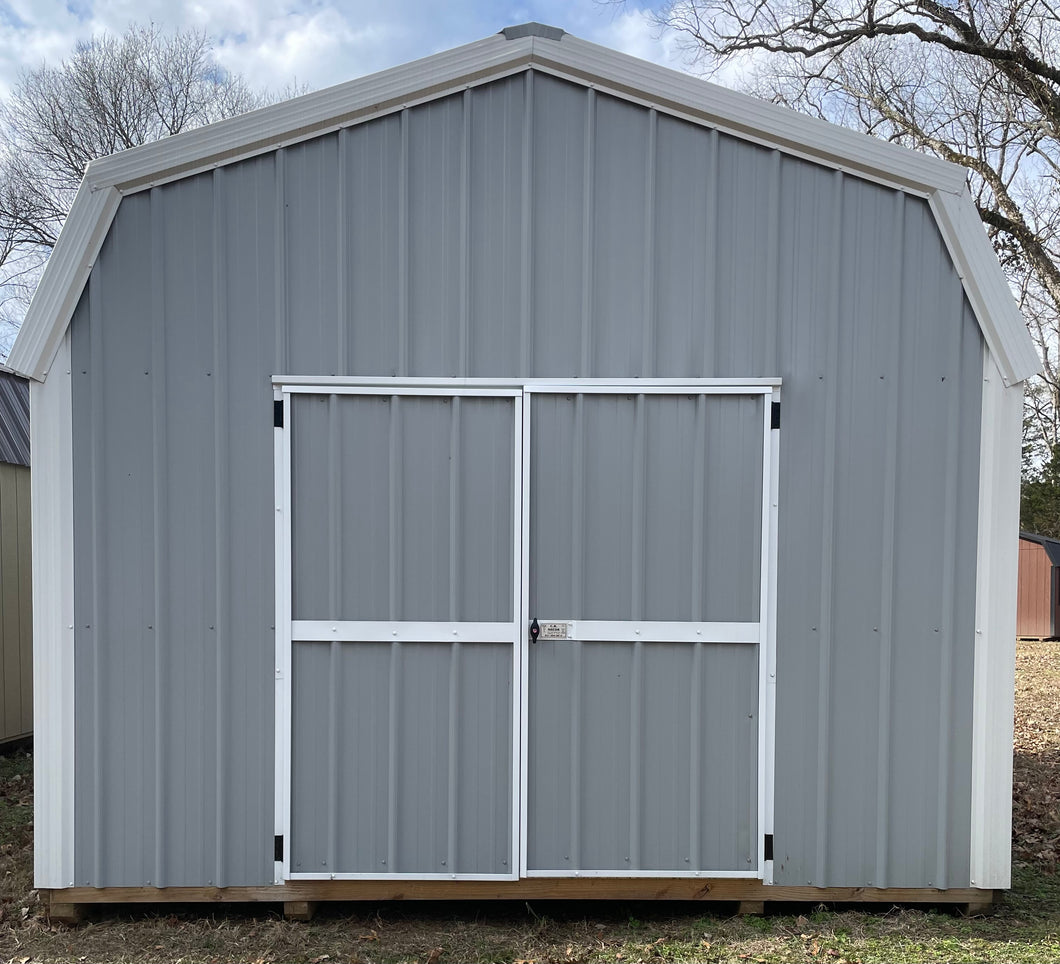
(972, 81)
(111, 94)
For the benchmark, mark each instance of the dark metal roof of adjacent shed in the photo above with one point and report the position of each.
(14, 418)
(1051, 546)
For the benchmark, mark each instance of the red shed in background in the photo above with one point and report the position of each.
(1039, 587)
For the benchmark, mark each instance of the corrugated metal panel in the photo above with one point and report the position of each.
(14, 419)
(402, 758)
(681, 794)
(644, 507)
(16, 609)
(682, 543)
(755, 264)
(402, 508)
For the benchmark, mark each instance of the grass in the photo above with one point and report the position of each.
(1025, 927)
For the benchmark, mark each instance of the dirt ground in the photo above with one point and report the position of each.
(1025, 927)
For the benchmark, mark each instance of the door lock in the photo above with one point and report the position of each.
(535, 630)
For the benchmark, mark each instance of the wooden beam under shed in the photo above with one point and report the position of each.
(299, 896)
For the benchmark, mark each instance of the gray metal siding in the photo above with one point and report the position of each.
(526, 228)
(402, 758)
(646, 507)
(403, 508)
(677, 793)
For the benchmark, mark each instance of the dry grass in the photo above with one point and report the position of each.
(1026, 926)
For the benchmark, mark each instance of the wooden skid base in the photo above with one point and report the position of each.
(300, 896)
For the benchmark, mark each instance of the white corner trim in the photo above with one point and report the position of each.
(986, 286)
(52, 521)
(997, 553)
(624, 76)
(64, 278)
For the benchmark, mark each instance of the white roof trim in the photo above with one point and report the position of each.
(359, 100)
(985, 285)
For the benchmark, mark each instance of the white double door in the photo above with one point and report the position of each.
(423, 730)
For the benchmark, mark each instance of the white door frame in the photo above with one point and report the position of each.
(762, 634)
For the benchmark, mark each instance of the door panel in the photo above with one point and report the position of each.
(646, 507)
(402, 508)
(404, 628)
(401, 758)
(642, 756)
(645, 517)
(415, 696)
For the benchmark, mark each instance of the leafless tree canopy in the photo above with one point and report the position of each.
(111, 94)
(973, 81)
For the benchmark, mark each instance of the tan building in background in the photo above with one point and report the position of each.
(16, 617)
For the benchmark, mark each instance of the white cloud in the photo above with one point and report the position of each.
(276, 42)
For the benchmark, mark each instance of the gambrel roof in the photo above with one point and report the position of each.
(516, 49)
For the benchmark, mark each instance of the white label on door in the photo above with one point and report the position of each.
(555, 630)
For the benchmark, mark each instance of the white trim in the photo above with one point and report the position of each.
(644, 386)
(989, 295)
(282, 671)
(52, 523)
(655, 874)
(334, 385)
(523, 641)
(763, 610)
(424, 390)
(384, 877)
(598, 67)
(518, 638)
(768, 654)
(64, 278)
(367, 631)
(642, 631)
(997, 555)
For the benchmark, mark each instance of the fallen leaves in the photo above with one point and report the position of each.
(1036, 760)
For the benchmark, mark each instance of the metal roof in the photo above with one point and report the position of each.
(14, 418)
(536, 47)
(1051, 546)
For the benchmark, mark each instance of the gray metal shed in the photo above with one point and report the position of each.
(417, 512)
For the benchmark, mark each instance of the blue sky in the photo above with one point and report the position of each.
(275, 42)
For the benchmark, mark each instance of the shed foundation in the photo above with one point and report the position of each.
(299, 898)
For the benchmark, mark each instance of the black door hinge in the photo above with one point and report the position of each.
(277, 414)
(277, 848)
(769, 847)
(774, 415)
